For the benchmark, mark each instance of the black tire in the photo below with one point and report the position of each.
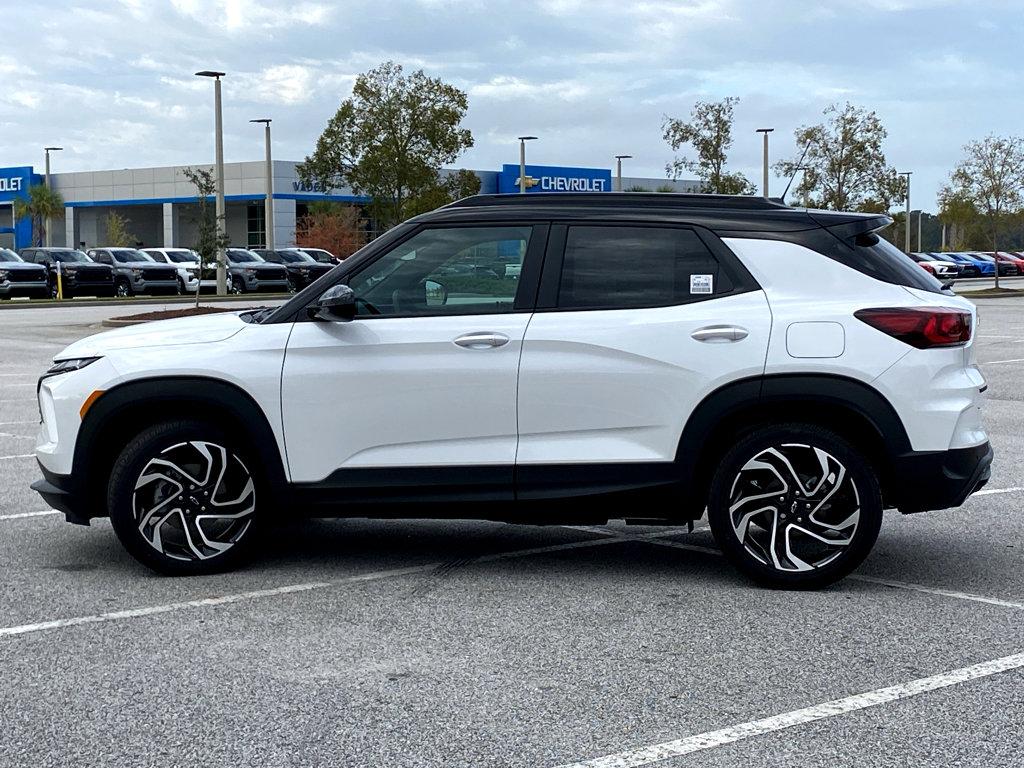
(778, 548)
(188, 539)
(123, 288)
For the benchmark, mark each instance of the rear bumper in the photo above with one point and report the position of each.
(936, 480)
(60, 493)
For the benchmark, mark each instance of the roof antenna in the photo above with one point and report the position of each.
(799, 167)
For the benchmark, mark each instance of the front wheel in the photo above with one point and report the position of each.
(123, 289)
(795, 506)
(183, 498)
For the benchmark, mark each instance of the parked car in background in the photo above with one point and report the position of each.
(968, 268)
(185, 261)
(1015, 259)
(249, 272)
(19, 278)
(136, 272)
(940, 268)
(321, 255)
(986, 267)
(1005, 267)
(80, 275)
(302, 268)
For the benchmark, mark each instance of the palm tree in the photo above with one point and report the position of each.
(41, 204)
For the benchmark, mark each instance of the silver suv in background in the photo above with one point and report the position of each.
(19, 278)
(136, 272)
(249, 272)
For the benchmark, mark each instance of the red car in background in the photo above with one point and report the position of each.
(1015, 258)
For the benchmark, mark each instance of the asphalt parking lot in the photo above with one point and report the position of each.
(435, 643)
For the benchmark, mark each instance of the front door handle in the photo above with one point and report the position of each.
(481, 340)
(720, 333)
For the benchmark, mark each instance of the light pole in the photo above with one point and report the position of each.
(907, 223)
(618, 171)
(268, 216)
(919, 215)
(764, 184)
(222, 283)
(522, 161)
(48, 150)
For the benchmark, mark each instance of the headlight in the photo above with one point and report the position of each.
(3, 275)
(66, 365)
(251, 273)
(136, 273)
(69, 271)
(303, 272)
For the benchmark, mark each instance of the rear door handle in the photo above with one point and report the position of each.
(481, 340)
(720, 333)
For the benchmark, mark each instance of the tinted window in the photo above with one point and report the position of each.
(879, 258)
(445, 271)
(67, 255)
(242, 255)
(6, 255)
(620, 267)
(130, 255)
(182, 256)
(295, 257)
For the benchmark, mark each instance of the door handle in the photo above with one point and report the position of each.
(720, 333)
(481, 340)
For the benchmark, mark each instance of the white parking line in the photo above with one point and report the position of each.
(36, 514)
(1007, 490)
(15, 435)
(29, 422)
(147, 611)
(730, 734)
(994, 362)
(18, 456)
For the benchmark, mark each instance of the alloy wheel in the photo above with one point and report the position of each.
(794, 507)
(194, 501)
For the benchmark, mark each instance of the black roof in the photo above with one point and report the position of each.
(723, 213)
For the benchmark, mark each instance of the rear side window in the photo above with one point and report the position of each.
(615, 267)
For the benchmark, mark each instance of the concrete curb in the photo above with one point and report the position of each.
(137, 301)
(114, 323)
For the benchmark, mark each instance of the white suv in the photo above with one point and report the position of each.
(655, 356)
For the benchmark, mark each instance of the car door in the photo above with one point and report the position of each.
(634, 326)
(419, 390)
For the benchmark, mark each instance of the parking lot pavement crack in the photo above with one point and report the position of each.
(713, 739)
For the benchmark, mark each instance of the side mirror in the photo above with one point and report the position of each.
(336, 303)
(436, 293)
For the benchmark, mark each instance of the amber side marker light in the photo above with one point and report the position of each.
(93, 396)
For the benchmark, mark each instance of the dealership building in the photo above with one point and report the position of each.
(160, 203)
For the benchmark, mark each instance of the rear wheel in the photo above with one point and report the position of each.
(795, 506)
(183, 498)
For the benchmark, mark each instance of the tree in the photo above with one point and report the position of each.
(456, 185)
(843, 166)
(390, 139)
(208, 240)
(117, 230)
(338, 228)
(960, 216)
(709, 132)
(41, 204)
(991, 177)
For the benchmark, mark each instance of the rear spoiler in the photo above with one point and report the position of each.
(847, 226)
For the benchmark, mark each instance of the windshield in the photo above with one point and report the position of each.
(294, 257)
(242, 255)
(182, 256)
(318, 254)
(68, 255)
(130, 255)
(6, 255)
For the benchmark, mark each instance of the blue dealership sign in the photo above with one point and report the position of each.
(14, 183)
(555, 179)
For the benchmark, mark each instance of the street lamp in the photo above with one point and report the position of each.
(765, 132)
(222, 283)
(907, 174)
(268, 216)
(48, 150)
(618, 171)
(522, 161)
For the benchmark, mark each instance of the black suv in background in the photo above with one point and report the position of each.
(250, 273)
(18, 278)
(80, 275)
(136, 272)
(302, 268)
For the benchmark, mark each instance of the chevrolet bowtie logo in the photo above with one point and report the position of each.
(530, 181)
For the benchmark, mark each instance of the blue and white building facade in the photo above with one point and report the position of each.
(160, 203)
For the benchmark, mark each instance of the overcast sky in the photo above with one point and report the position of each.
(112, 81)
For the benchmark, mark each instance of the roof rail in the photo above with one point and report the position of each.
(644, 199)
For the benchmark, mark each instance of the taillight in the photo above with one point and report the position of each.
(928, 267)
(921, 327)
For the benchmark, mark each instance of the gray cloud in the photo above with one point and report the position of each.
(112, 81)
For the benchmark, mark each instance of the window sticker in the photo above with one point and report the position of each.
(701, 284)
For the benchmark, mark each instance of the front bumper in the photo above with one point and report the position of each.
(936, 480)
(60, 493)
(142, 286)
(25, 288)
